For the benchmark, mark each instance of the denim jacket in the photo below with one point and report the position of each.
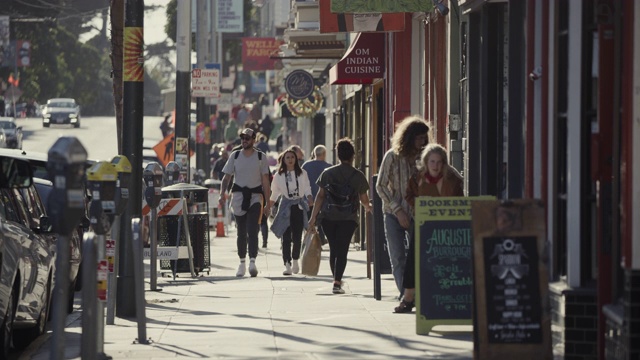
(282, 219)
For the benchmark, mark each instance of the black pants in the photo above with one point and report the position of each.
(339, 234)
(248, 228)
(264, 229)
(293, 234)
(409, 277)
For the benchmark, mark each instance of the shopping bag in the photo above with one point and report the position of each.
(311, 252)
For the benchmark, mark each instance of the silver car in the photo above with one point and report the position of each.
(27, 250)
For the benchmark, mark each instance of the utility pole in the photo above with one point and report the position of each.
(183, 80)
(133, 90)
(203, 143)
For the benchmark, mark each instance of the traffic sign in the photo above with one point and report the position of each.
(205, 82)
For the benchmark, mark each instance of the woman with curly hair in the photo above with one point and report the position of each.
(435, 177)
(398, 166)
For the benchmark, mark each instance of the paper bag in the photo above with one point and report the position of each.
(311, 252)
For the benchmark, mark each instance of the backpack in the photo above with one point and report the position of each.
(341, 200)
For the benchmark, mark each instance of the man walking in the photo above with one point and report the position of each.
(397, 167)
(314, 167)
(250, 189)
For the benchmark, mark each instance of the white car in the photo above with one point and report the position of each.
(61, 111)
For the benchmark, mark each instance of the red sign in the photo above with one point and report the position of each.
(257, 52)
(334, 22)
(103, 269)
(363, 61)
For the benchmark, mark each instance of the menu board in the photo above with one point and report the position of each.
(513, 307)
(444, 254)
(510, 281)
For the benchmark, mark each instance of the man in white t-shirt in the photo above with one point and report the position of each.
(250, 171)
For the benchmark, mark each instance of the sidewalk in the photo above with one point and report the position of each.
(269, 316)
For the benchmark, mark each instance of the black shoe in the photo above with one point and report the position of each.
(404, 307)
(264, 245)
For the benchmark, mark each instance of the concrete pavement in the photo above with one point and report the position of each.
(270, 316)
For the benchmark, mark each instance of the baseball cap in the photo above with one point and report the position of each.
(248, 132)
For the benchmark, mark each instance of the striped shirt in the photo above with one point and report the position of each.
(393, 179)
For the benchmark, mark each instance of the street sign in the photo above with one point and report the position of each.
(205, 83)
(164, 253)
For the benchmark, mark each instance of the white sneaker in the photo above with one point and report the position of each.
(287, 269)
(242, 269)
(253, 270)
(295, 268)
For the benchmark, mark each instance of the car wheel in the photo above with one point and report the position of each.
(7, 325)
(76, 125)
(24, 337)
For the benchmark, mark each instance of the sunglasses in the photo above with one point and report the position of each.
(245, 137)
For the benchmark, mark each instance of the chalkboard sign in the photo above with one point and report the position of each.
(444, 258)
(512, 290)
(510, 277)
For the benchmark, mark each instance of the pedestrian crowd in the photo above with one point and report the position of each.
(300, 197)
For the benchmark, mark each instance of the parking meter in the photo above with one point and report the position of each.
(66, 167)
(123, 168)
(152, 176)
(102, 177)
(172, 173)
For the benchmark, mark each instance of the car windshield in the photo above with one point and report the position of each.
(7, 125)
(62, 105)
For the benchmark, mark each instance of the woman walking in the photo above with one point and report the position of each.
(435, 177)
(338, 225)
(291, 187)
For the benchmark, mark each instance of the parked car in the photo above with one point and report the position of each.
(61, 111)
(12, 132)
(28, 258)
(38, 162)
(44, 188)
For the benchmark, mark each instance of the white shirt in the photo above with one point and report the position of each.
(287, 180)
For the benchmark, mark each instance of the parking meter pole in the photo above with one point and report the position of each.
(60, 296)
(66, 207)
(89, 344)
(141, 316)
(153, 234)
(112, 288)
(123, 168)
(152, 176)
(100, 254)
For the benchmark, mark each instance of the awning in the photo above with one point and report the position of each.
(362, 63)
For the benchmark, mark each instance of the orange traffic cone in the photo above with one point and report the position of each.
(220, 224)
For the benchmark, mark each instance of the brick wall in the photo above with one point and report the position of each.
(574, 319)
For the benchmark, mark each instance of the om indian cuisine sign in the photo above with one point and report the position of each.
(363, 62)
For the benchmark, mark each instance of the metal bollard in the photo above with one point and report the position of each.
(89, 346)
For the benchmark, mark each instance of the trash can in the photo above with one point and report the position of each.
(171, 229)
(199, 235)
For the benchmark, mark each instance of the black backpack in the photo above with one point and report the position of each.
(341, 200)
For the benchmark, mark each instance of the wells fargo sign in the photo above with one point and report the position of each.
(257, 53)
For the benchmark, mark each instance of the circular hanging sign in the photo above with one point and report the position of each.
(299, 84)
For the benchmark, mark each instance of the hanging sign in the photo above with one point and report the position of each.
(299, 84)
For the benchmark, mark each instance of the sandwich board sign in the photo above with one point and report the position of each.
(444, 249)
(511, 290)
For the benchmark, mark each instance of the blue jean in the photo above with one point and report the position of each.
(397, 238)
